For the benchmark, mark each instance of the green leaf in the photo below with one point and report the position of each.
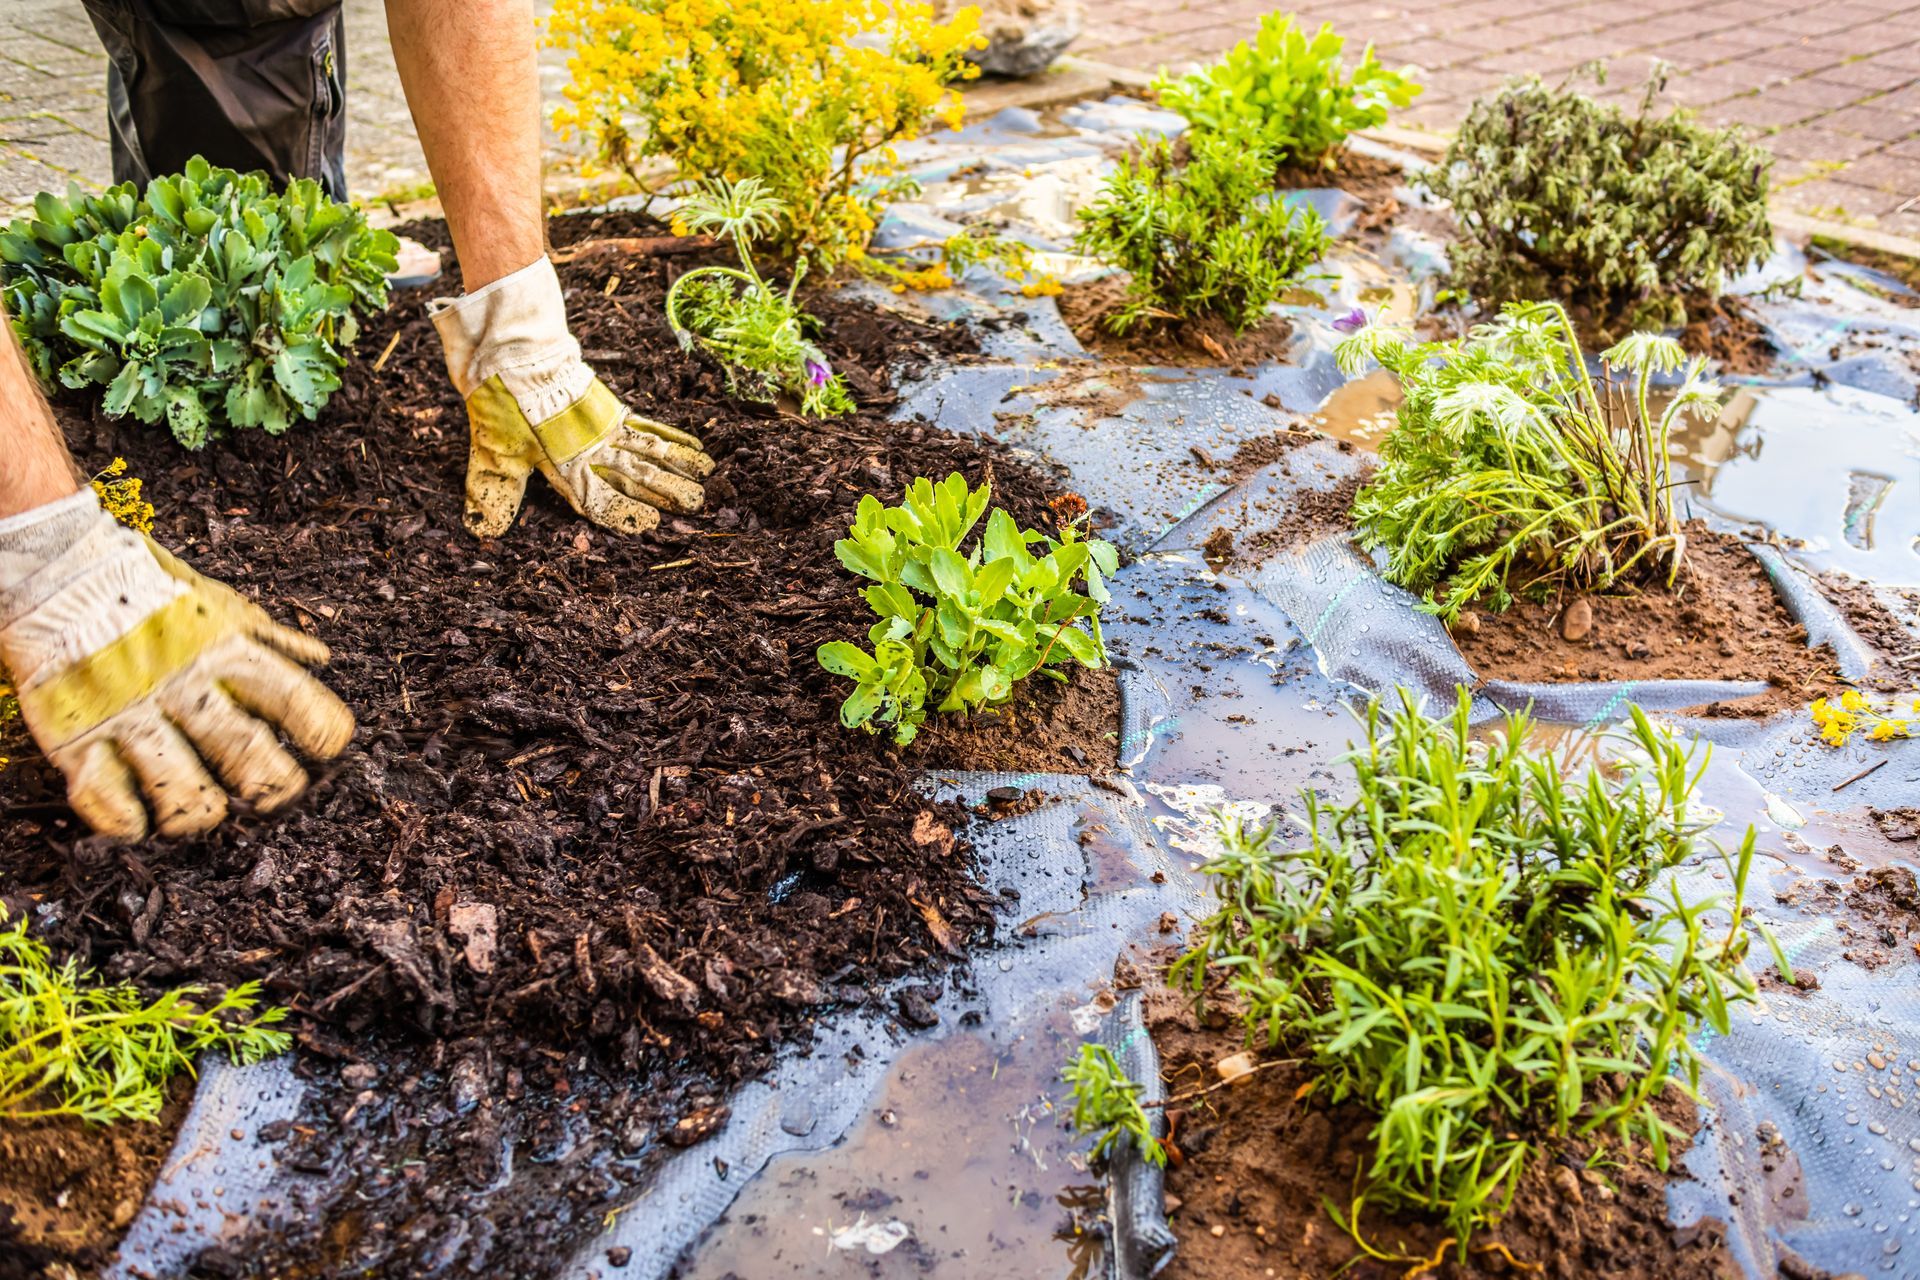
(844, 659)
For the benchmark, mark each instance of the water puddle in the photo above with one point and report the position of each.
(961, 1168)
(1836, 473)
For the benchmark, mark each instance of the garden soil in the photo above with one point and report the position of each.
(1199, 343)
(1259, 1162)
(68, 1189)
(599, 811)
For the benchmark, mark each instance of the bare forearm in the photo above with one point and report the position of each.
(37, 469)
(473, 86)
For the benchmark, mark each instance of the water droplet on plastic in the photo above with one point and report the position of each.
(1852, 1210)
(1874, 1126)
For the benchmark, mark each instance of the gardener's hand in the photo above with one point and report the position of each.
(533, 404)
(131, 670)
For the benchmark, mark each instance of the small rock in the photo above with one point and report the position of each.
(697, 1126)
(1567, 1184)
(1023, 36)
(1468, 622)
(1273, 401)
(1171, 1203)
(619, 1256)
(916, 1010)
(1217, 1230)
(359, 1075)
(1577, 622)
(1235, 1066)
(1169, 922)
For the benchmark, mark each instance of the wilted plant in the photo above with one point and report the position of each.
(209, 300)
(72, 1047)
(1288, 91)
(1484, 951)
(1559, 196)
(1201, 236)
(1510, 460)
(958, 631)
(808, 96)
(755, 331)
(1107, 1103)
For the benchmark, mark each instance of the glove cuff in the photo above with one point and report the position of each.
(514, 329)
(36, 537)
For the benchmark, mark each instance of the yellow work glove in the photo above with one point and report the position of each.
(132, 670)
(534, 404)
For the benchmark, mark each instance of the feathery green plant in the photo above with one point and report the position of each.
(756, 332)
(1486, 952)
(72, 1047)
(1204, 236)
(1558, 196)
(1508, 458)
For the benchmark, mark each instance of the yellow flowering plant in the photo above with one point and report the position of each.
(1852, 712)
(809, 96)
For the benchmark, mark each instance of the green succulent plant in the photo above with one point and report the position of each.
(210, 300)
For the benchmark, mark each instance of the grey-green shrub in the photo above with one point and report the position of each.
(1562, 197)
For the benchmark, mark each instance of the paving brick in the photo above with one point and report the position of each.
(1885, 173)
(1874, 121)
(1797, 58)
(1825, 197)
(1760, 110)
(1870, 73)
(1811, 142)
(1815, 93)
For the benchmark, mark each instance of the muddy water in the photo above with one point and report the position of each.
(960, 1168)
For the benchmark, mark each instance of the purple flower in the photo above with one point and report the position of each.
(818, 373)
(1352, 322)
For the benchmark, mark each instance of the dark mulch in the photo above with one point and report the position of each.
(619, 754)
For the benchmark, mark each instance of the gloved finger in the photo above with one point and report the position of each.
(610, 508)
(102, 790)
(639, 478)
(671, 435)
(244, 750)
(493, 497)
(183, 796)
(276, 691)
(308, 651)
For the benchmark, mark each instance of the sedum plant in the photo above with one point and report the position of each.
(71, 1047)
(958, 630)
(1107, 1103)
(209, 300)
(1485, 951)
(1203, 236)
(809, 96)
(1511, 467)
(1559, 196)
(1289, 91)
(754, 330)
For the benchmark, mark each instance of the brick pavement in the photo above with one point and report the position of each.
(1833, 86)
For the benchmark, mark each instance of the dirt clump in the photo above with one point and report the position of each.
(1259, 1161)
(1897, 825)
(1203, 341)
(600, 845)
(68, 1189)
(1877, 913)
(1722, 621)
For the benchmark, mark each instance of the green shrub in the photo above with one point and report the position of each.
(1485, 952)
(209, 301)
(1289, 92)
(958, 631)
(1558, 196)
(1509, 460)
(1206, 236)
(70, 1047)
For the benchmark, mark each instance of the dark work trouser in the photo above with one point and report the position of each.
(249, 84)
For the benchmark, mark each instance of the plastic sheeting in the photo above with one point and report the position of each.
(1238, 727)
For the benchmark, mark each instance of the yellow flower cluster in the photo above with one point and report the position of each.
(120, 495)
(1838, 722)
(809, 96)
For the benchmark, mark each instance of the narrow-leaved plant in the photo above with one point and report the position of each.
(1486, 951)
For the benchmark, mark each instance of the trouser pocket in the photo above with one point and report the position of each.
(263, 89)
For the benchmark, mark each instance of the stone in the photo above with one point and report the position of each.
(477, 925)
(1023, 36)
(1577, 622)
(1235, 1066)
